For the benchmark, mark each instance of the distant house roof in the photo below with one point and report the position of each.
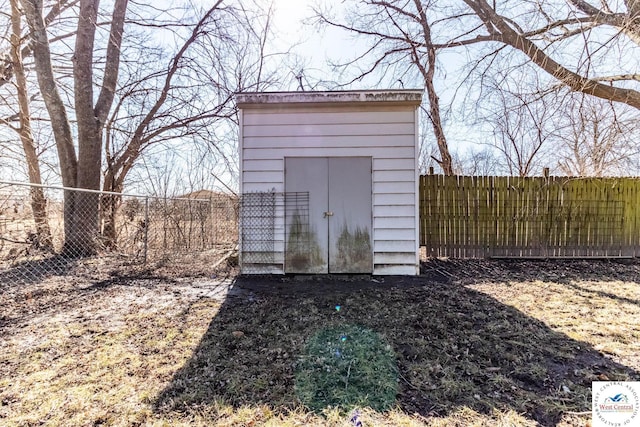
(268, 99)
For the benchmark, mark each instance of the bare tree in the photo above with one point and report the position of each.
(57, 20)
(401, 44)
(477, 162)
(81, 169)
(520, 121)
(562, 41)
(26, 50)
(165, 102)
(597, 140)
(38, 201)
(550, 48)
(153, 123)
(221, 54)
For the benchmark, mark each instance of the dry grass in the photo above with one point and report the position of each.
(477, 344)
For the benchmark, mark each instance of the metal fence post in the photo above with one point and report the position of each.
(146, 228)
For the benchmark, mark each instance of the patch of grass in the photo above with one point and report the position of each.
(101, 363)
(347, 366)
(603, 313)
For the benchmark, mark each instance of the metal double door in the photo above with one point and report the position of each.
(334, 235)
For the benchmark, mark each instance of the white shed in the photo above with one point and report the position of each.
(329, 182)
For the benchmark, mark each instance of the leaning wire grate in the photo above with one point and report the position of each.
(269, 223)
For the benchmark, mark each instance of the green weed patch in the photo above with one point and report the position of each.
(347, 366)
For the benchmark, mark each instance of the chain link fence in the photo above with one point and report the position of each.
(47, 231)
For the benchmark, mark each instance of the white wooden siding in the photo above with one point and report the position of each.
(393, 246)
(393, 187)
(253, 187)
(309, 116)
(391, 258)
(263, 165)
(252, 153)
(393, 222)
(325, 142)
(262, 176)
(393, 211)
(395, 234)
(313, 130)
(383, 164)
(270, 135)
(394, 176)
(404, 270)
(393, 199)
(256, 258)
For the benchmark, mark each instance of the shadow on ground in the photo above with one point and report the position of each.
(34, 271)
(454, 347)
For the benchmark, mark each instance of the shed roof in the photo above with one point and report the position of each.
(408, 97)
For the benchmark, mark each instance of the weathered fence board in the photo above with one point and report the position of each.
(477, 217)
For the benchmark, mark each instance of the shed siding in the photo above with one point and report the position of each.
(301, 151)
(301, 116)
(271, 134)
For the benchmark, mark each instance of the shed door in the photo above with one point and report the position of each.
(337, 238)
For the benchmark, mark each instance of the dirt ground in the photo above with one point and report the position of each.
(477, 342)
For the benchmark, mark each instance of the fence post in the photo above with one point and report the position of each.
(146, 228)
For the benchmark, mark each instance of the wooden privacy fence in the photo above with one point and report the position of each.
(496, 216)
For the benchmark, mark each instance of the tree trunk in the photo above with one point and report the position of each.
(50, 93)
(446, 162)
(81, 209)
(109, 208)
(428, 73)
(108, 211)
(55, 106)
(86, 227)
(38, 201)
(84, 230)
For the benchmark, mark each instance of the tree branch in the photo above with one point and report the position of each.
(629, 22)
(620, 77)
(134, 146)
(571, 79)
(112, 63)
(6, 67)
